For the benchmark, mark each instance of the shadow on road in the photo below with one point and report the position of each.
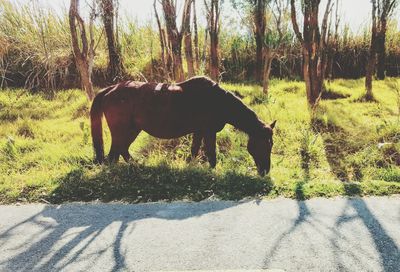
(345, 237)
(389, 252)
(48, 252)
(339, 238)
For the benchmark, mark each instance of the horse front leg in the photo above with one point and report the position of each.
(122, 138)
(196, 143)
(210, 148)
(128, 141)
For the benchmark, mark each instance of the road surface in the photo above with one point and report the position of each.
(341, 234)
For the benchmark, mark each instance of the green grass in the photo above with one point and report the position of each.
(345, 147)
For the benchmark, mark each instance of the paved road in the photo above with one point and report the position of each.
(317, 235)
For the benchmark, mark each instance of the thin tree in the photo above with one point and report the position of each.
(187, 34)
(213, 12)
(275, 40)
(381, 10)
(84, 54)
(372, 55)
(256, 19)
(259, 20)
(333, 44)
(313, 43)
(384, 10)
(196, 38)
(115, 66)
(165, 58)
(174, 39)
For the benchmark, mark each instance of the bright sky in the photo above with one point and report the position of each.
(355, 12)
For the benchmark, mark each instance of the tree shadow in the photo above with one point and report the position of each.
(330, 94)
(387, 249)
(305, 155)
(137, 183)
(341, 243)
(304, 216)
(336, 146)
(59, 237)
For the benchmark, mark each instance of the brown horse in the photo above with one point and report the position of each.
(197, 106)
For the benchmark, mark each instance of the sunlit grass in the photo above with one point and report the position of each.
(345, 147)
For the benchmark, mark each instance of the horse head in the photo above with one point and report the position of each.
(260, 147)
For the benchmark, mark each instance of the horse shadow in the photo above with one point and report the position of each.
(139, 183)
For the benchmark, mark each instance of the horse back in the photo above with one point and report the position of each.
(164, 110)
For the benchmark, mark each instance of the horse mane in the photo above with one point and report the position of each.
(236, 112)
(198, 81)
(244, 118)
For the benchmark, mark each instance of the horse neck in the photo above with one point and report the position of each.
(243, 118)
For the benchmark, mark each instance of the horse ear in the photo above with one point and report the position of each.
(273, 124)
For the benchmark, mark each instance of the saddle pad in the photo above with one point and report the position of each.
(159, 87)
(164, 87)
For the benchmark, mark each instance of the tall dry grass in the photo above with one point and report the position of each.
(35, 51)
(35, 47)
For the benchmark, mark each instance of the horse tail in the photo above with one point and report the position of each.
(96, 112)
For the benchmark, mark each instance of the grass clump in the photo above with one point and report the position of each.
(25, 129)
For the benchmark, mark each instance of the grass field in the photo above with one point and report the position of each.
(345, 147)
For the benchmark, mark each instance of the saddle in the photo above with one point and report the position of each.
(164, 87)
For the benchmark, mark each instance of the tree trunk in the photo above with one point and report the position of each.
(311, 77)
(170, 56)
(189, 55)
(259, 62)
(259, 32)
(174, 39)
(213, 14)
(313, 44)
(84, 57)
(370, 69)
(214, 59)
(115, 66)
(311, 53)
(381, 11)
(86, 79)
(329, 69)
(176, 45)
(188, 37)
(381, 51)
(334, 45)
(161, 38)
(204, 53)
(369, 74)
(268, 58)
(196, 38)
